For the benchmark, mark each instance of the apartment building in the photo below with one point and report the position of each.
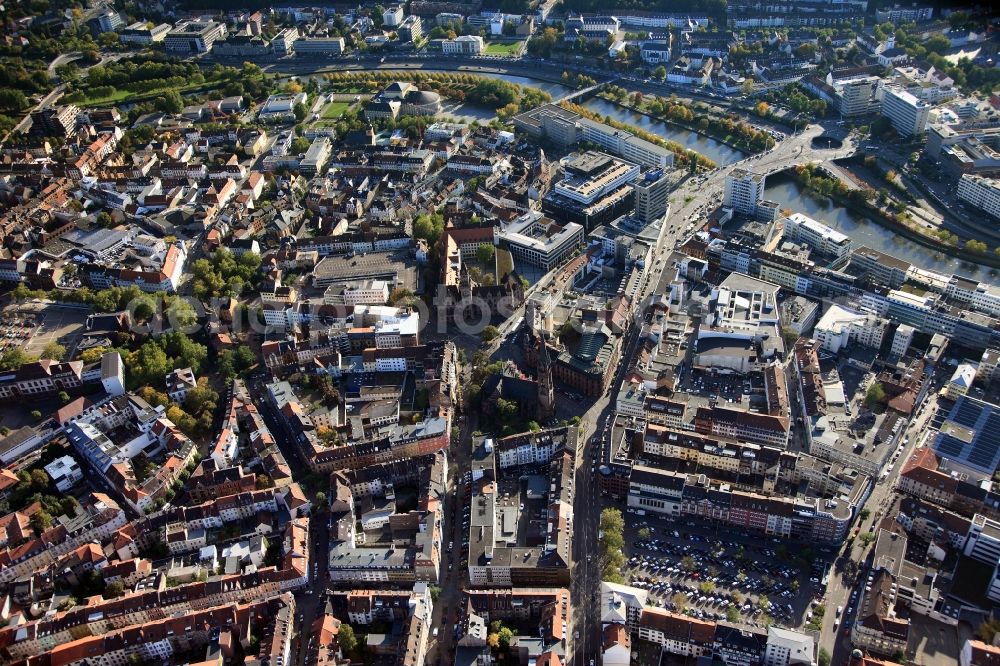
(743, 191)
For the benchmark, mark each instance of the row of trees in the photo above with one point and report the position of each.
(612, 545)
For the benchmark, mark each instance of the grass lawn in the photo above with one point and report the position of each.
(121, 95)
(496, 48)
(118, 95)
(335, 110)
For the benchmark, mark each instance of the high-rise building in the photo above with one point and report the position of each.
(857, 97)
(107, 21)
(744, 190)
(392, 16)
(907, 113)
(410, 29)
(651, 195)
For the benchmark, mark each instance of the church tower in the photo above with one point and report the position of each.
(546, 386)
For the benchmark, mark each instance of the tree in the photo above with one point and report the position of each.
(867, 537)
(864, 514)
(169, 102)
(490, 333)
(747, 87)
(54, 351)
(39, 480)
(764, 604)
(645, 534)
(732, 615)
(14, 358)
(875, 395)
(660, 73)
(300, 112)
(824, 658)
(41, 521)
(976, 246)
(762, 109)
(485, 253)
(36, 415)
(105, 220)
(115, 588)
(12, 100)
(346, 639)
(506, 635)
(63, 397)
(679, 601)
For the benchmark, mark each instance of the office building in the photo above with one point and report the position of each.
(981, 192)
(970, 435)
(564, 128)
(857, 97)
(596, 190)
(820, 237)
(907, 113)
(539, 241)
(464, 45)
(744, 191)
(195, 36)
(651, 192)
(139, 33)
(319, 45)
(107, 21)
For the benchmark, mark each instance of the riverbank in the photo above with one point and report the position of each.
(683, 155)
(867, 211)
(726, 140)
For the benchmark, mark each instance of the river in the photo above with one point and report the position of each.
(789, 194)
(715, 150)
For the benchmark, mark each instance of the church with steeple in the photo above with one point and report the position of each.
(546, 383)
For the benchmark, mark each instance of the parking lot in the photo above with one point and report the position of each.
(737, 578)
(32, 326)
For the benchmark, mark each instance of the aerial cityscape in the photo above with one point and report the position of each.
(540, 333)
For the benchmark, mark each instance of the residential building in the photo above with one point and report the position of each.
(788, 648)
(393, 16)
(64, 472)
(54, 120)
(841, 326)
(410, 30)
(743, 192)
(179, 382)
